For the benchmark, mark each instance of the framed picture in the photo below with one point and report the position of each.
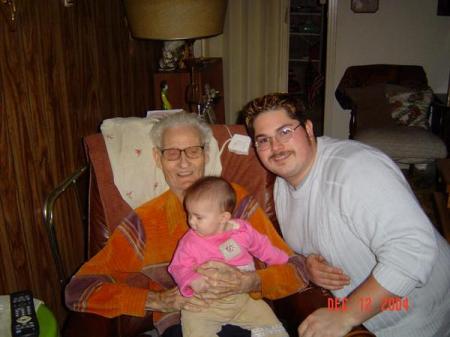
(364, 6)
(443, 7)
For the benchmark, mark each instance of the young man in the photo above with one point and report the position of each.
(348, 207)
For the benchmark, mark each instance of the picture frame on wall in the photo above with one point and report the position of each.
(443, 7)
(364, 6)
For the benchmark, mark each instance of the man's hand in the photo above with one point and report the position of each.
(324, 275)
(324, 323)
(199, 284)
(327, 323)
(224, 280)
(172, 300)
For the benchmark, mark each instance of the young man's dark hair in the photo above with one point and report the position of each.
(293, 106)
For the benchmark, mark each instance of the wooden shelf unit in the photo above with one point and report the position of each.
(207, 71)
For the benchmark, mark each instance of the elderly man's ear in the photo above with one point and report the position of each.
(206, 155)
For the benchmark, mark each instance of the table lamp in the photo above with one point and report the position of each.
(177, 20)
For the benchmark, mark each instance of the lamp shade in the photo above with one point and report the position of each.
(175, 19)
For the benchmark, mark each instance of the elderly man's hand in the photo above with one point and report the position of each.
(324, 323)
(172, 300)
(224, 280)
(324, 275)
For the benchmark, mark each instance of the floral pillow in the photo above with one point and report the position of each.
(411, 108)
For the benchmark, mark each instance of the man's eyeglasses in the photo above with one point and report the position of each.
(191, 152)
(282, 135)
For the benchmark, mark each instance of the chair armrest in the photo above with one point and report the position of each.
(50, 223)
(80, 324)
(437, 111)
(343, 99)
(347, 104)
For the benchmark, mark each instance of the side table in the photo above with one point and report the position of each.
(442, 199)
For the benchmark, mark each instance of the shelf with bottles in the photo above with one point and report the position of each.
(304, 60)
(306, 13)
(304, 34)
(305, 24)
(296, 80)
(304, 6)
(302, 50)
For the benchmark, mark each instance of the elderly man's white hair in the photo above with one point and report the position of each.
(180, 119)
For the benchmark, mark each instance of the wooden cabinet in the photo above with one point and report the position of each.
(207, 72)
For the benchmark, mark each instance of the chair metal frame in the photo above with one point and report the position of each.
(49, 222)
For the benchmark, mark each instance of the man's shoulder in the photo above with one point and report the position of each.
(240, 190)
(337, 155)
(333, 148)
(352, 163)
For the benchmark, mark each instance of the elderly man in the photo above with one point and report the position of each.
(348, 205)
(146, 240)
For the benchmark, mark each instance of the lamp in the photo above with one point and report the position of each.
(175, 19)
(170, 20)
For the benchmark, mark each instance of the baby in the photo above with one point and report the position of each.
(215, 236)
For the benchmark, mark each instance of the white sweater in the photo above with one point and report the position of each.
(356, 209)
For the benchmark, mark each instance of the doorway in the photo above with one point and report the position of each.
(307, 57)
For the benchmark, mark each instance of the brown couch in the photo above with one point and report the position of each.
(107, 208)
(373, 94)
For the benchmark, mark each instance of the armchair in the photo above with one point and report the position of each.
(107, 208)
(390, 106)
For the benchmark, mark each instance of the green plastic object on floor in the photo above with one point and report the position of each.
(48, 327)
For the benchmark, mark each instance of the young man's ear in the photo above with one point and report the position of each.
(309, 129)
(157, 156)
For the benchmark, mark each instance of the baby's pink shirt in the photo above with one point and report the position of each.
(235, 247)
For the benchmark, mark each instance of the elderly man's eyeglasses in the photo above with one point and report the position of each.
(282, 135)
(191, 152)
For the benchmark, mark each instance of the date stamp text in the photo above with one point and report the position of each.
(366, 304)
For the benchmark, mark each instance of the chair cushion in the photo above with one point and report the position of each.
(372, 107)
(404, 144)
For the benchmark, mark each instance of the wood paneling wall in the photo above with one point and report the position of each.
(62, 71)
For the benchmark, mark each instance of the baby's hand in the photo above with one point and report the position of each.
(199, 284)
